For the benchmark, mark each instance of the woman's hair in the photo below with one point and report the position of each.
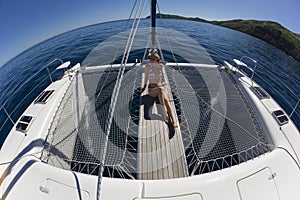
(153, 56)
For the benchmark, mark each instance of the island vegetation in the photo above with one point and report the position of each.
(268, 31)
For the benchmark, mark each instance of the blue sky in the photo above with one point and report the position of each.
(24, 23)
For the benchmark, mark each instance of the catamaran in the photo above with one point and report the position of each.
(94, 134)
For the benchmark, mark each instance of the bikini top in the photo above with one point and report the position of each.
(153, 75)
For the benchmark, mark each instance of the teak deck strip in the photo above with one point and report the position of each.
(160, 145)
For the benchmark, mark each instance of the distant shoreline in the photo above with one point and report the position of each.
(268, 31)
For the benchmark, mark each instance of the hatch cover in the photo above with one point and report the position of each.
(260, 185)
(52, 189)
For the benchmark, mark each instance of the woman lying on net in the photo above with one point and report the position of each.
(154, 74)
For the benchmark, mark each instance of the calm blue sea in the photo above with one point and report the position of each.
(221, 43)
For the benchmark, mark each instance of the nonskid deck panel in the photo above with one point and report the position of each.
(217, 126)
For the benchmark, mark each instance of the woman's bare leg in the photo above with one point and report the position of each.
(164, 101)
(170, 110)
(158, 92)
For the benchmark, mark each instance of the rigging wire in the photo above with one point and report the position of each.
(195, 92)
(166, 34)
(120, 77)
(130, 41)
(126, 26)
(115, 94)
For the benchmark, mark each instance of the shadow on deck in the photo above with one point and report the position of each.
(160, 155)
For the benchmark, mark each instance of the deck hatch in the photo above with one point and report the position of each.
(258, 186)
(24, 123)
(280, 117)
(44, 96)
(260, 93)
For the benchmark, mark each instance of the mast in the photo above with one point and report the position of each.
(153, 22)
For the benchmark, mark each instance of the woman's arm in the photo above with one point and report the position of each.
(146, 74)
(161, 66)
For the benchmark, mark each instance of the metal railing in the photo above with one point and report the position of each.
(18, 101)
(292, 110)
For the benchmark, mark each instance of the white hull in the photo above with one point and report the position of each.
(274, 175)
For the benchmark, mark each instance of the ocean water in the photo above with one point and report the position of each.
(220, 43)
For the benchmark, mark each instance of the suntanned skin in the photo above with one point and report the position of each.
(158, 90)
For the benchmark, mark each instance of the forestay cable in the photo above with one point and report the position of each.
(117, 88)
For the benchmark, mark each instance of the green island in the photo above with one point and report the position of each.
(268, 31)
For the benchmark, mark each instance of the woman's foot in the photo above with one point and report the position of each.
(175, 125)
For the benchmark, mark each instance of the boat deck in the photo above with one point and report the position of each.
(217, 127)
(160, 145)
